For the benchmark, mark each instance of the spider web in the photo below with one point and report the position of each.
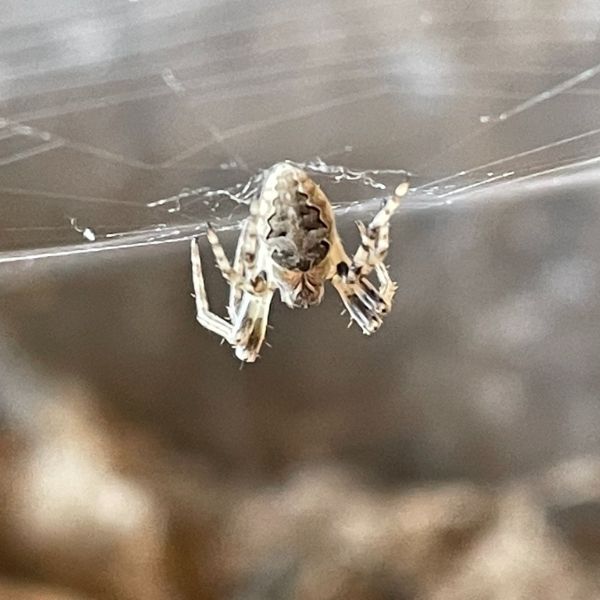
(133, 123)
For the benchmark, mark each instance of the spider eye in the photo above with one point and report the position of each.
(342, 269)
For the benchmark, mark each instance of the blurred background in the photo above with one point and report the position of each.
(454, 455)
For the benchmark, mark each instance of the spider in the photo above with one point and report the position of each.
(289, 243)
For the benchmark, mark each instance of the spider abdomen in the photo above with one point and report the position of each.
(299, 235)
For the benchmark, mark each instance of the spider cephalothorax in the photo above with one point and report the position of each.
(290, 243)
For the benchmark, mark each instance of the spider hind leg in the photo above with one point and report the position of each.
(204, 315)
(375, 241)
(249, 315)
(361, 299)
(366, 303)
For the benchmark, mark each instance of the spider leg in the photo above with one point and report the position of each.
(234, 275)
(250, 303)
(387, 287)
(235, 293)
(365, 303)
(244, 272)
(204, 316)
(247, 331)
(374, 238)
(250, 324)
(256, 228)
(361, 299)
(250, 245)
(374, 246)
(228, 272)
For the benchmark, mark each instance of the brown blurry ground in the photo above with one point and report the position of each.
(97, 508)
(100, 508)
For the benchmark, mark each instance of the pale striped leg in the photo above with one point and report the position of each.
(250, 293)
(375, 242)
(256, 227)
(235, 293)
(387, 287)
(249, 308)
(250, 325)
(204, 316)
(249, 239)
(361, 300)
(365, 303)
(231, 274)
(249, 301)
(375, 239)
(238, 275)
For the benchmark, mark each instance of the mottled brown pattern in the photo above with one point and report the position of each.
(298, 231)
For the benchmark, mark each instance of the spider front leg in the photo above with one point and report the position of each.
(249, 305)
(250, 324)
(375, 242)
(360, 297)
(375, 238)
(250, 294)
(250, 280)
(234, 275)
(248, 311)
(204, 315)
(365, 303)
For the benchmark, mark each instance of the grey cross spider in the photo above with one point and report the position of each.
(289, 243)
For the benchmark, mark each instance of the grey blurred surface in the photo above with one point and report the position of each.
(108, 106)
(486, 367)
(486, 370)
